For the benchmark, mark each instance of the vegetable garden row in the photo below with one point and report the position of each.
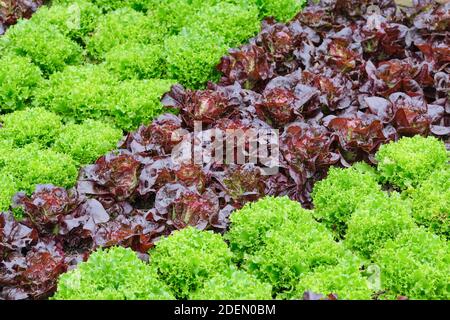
(358, 207)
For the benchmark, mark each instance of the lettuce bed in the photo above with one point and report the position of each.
(74, 62)
(276, 249)
(341, 85)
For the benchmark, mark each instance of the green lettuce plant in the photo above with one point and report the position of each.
(78, 93)
(376, 220)
(19, 78)
(7, 190)
(336, 197)
(87, 141)
(431, 202)
(251, 224)
(409, 161)
(344, 280)
(112, 274)
(174, 14)
(236, 23)
(30, 165)
(416, 264)
(91, 92)
(111, 5)
(233, 285)
(75, 18)
(135, 102)
(191, 57)
(188, 258)
(34, 125)
(122, 26)
(43, 43)
(282, 10)
(294, 249)
(136, 61)
(6, 147)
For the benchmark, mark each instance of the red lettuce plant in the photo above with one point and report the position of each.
(13, 10)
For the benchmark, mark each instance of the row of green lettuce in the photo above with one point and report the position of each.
(374, 234)
(80, 72)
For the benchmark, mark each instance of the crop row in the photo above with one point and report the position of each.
(362, 241)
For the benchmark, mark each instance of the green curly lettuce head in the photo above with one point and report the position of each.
(336, 197)
(31, 165)
(188, 258)
(92, 92)
(137, 102)
(111, 5)
(235, 23)
(34, 125)
(250, 225)
(8, 185)
(44, 44)
(112, 274)
(406, 163)
(123, 26)
(75, 18)
(175, 14)
(136, 61)
(282, 10)
(233, 285)
(416, 264)
(19, 79)
(87, 141)
(377, 220)
(345, 280)
(292, 250)
(6, 147)
(78, 93)
(365, 168)
(191, 57)
(431, 202)
(172, 13)
(7, 189)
